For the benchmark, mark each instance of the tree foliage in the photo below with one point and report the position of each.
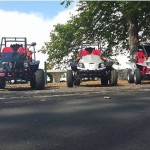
(115, 21)
(124, 23)
(62, 42)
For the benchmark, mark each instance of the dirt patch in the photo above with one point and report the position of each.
(84, 84)
(96, 83)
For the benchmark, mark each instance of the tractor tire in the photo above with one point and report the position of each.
(137, 76)
(2, 83)
(104, 80)
(113, 77)
(130, 76)
(38, 80)
(69, 78)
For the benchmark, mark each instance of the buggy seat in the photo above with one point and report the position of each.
(85, 52)
(7, 50)
(140, 57)
(27, 52)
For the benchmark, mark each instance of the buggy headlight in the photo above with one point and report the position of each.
(81, 65)
(101, 65)
(26, 65)
(148, 64)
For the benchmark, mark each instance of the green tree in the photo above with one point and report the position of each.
(116, 21)
(63, 40)
(60, 42)
(124, 23)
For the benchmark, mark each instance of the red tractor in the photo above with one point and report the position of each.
(18, 62)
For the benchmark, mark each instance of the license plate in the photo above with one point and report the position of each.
(91, 65)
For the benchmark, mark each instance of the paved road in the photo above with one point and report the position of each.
(75, 118)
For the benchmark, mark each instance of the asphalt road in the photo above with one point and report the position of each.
(77, 118)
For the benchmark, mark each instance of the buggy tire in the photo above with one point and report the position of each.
(113, 77)
(2, 83)
(137, 76)
(69, 78)
(38, 80)
(77, 82)
(130, 76)
(33, 81)
(104, 81)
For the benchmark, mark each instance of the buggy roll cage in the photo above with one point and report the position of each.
(90, 44)
(23, 40)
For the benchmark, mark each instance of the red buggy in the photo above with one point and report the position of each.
(140, 69)
(18, 62)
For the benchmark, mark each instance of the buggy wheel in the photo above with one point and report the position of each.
(130, 76)
(38, 80)
(2, 83)
(137, 76)
(69, 78)
(104, 81)
(33, 81)
(113, 77)
(77, 82)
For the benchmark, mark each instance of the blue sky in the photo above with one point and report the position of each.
(48, 9)
(33, 20)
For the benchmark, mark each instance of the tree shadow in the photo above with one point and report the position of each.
(77, 123)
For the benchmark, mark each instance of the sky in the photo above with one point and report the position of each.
(34, 20)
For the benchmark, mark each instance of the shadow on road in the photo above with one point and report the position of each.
(87, 123)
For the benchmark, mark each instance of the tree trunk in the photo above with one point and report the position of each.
(133, 35)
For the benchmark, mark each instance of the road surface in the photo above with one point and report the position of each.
(79, 118)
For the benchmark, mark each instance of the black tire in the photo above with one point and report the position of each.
(113, 77)
(38, 80)
(130, 76)
(33, 81)
(2, 83)
(137, 76)
(104, 80)
(69, 78)
(77, 82)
